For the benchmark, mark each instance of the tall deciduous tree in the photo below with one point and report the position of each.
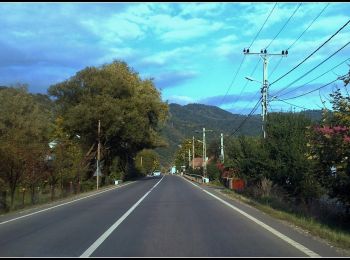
(130, 110)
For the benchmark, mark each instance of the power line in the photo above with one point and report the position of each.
(263, 25)
(278, 63)
(296, 9)
(248, 116)
(316, 77)
(256, 66)
(233, 80)
(312, 68)
(308, 27)
(311, 53)
(312, 90)
(239, 68)
(290, 103)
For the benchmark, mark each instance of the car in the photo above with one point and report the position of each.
(156, 173)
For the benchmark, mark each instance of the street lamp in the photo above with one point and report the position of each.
(251, 79)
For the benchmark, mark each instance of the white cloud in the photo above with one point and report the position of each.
(182, 100)
(201, 9)
(174, 28)
(114, 29)
(161, 58)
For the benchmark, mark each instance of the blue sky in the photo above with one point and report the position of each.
(192, 50)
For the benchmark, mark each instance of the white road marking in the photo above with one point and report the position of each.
(34, 213)
(272, 230)
(105, 235)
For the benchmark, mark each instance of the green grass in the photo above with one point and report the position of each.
(336, 237)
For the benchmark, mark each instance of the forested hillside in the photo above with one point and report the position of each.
(184, 121)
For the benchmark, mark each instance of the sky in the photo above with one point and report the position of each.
(193, 51)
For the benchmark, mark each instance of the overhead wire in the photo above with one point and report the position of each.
(308, 72)
(310, 55)
(242, 61)
(247, 117)
(312, 90)
(315, 78)
(289, 103)
(256, 105)
(296, 9)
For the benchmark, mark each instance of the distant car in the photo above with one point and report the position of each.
(156, 173)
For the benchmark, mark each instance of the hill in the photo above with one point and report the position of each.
(184, 121)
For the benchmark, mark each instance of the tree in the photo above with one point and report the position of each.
(130, 110)
(181, 155)
(329, 148)
(286, 144)
(67, 159)
(23, 127)
(147, 161)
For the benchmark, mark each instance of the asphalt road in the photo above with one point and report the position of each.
(154, 217)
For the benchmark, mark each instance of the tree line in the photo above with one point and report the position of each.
(49, 142)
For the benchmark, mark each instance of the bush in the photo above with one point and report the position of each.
(88, 185)
(212, 171)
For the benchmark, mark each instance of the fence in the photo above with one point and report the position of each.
(234, 183)
(196, 178)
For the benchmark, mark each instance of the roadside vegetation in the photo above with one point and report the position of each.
(300, 172)
(48, 143)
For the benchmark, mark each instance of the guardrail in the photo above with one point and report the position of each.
(197, 178)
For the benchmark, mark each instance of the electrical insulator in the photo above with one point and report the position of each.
(247, 50)
(265, 51)
(286, 52)
(282, 52)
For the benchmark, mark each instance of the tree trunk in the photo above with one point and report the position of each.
(3, 203)
(23, 197)
(70, 187)
(52, 192)
(12, 194)
(32, 194)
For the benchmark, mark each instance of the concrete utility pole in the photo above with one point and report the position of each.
(189, 157)
(265, 85)
(98, 153)
(193, 152)
(205, 153)
(222, 148)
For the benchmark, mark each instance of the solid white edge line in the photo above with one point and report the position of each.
(272, 230)
(106, 234)
(69, 202)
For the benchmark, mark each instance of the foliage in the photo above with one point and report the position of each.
(280, 158)
(330, 148)
(213, 171)
(130, 110)
(185, 149)
(286, 146)
(185, 120)
(147, 161)
(23, 137)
